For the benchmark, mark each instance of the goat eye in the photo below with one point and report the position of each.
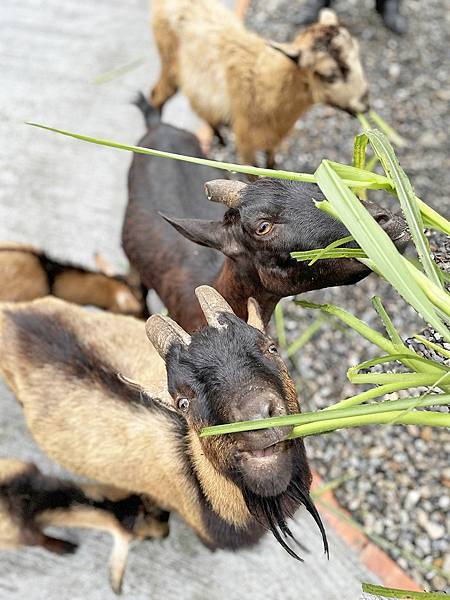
(272, 349)
(264, 228)
(327, 78)
(183, 404)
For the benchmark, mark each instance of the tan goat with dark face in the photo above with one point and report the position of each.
(31, 501)
(62, 363)
(232, 76)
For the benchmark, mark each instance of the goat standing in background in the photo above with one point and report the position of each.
(141, 432)
(234, 77)
(27, 273)
(242, 252)
(31, 501)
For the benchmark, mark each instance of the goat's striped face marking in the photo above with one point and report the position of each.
(330, 54)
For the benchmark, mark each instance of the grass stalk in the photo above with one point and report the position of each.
(381, 410)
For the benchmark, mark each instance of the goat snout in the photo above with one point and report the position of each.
(393, 224)
(261, 406)
(365, 103)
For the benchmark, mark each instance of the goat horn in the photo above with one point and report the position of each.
(225, 191)
(212, 304)
(163, 332)
(254, 315)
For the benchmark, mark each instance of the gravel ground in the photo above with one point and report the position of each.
(399, 477)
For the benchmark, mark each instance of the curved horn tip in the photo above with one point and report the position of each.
(212, 303)
(162, 331)
(225, 191)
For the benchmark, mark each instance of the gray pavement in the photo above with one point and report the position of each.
(68, 197)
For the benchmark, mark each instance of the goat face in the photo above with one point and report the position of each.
(268, 219)
(331, 55)
(231, 371)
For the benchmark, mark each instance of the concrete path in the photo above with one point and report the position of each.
(68, 197)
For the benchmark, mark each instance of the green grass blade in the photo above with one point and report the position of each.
(407, 198)
(422, 418)
(326, 253)
(390, 133)
(359, 151)
(437, 295)
(388, 324)
(395, 407)
(364, 122)
(377, 244)
(432, 218)
(279, 325)
(375, 392)
(306, 336)
(435, 347)
(118, 71)
(361, 177)
(335, 244)
(384, 592)
(371, 163)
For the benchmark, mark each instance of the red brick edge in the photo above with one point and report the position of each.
(373, 557)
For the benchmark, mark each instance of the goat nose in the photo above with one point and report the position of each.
(365, 102)
(260, 406)
(381, 215)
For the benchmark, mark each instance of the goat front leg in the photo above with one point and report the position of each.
(167, 84)
(270, 159)
(244, 146)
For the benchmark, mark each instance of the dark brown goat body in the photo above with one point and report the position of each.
(243, 252)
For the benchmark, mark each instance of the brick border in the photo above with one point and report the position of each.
(372, 556)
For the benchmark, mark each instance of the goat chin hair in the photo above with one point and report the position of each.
(272, 513)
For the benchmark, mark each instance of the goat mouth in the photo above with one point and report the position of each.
(264, 453)
(403, 236)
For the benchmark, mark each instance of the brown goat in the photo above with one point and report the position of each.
(31, 501)
(27, 273)
(145, 437)
(260, 88)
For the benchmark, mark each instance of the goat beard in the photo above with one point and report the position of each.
(272, 512)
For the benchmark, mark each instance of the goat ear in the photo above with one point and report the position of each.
(163, 332)
(206, 233)
(328, 17)
(289, 50)
(212, 304)
(254, 315)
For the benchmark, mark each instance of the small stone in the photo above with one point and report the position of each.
(412, 499)
(426, 434)
(394, 70)
(438, 582)
(434, 530)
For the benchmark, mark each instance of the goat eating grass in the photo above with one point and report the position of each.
(141, 431)
(243, 237)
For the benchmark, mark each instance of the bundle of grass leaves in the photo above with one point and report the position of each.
(420, 282)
